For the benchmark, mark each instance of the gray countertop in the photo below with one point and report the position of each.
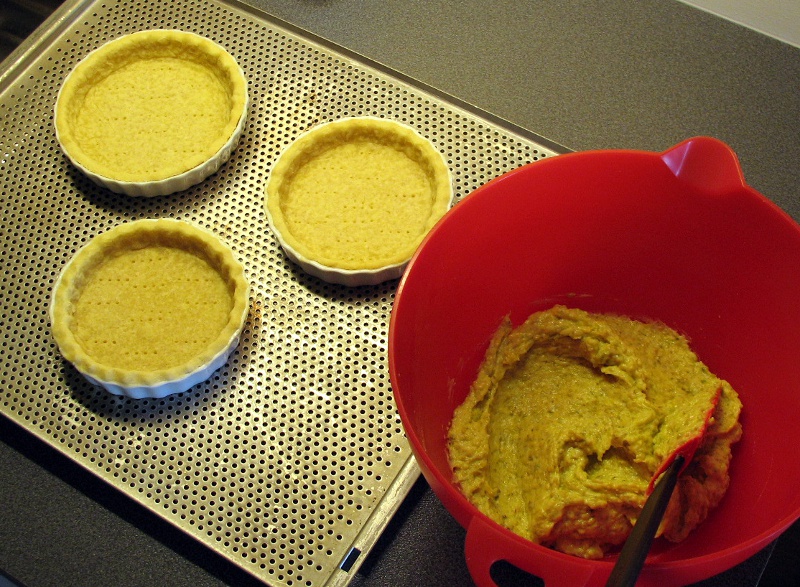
(639, 74)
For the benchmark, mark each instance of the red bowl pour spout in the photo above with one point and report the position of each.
(707, 164)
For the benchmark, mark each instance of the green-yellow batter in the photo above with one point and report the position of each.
(570, 417)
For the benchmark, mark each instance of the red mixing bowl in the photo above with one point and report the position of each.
(675, 236)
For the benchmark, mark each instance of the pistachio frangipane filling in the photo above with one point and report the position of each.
(571, 416)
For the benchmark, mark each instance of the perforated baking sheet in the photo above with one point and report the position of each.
(291, 459)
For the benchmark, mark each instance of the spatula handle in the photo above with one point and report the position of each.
(631, 557)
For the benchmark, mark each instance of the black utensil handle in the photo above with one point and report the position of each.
(631, 557)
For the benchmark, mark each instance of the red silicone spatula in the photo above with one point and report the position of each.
(631, 558)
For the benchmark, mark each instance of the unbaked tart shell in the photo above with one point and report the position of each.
(153, 112)
(150, 308)
(351, 200)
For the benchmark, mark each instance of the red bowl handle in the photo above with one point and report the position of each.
(487, 543)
